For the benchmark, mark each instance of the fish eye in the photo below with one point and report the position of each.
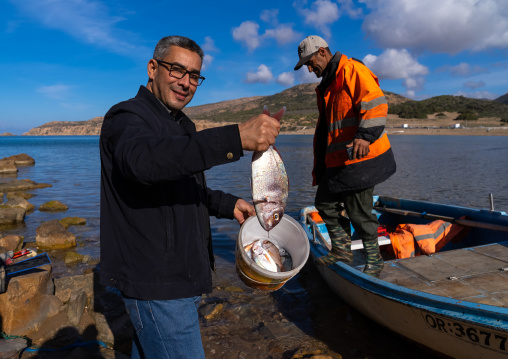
(276, 216)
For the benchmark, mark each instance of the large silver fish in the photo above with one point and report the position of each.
(270, 185)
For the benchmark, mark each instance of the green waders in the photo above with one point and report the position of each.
(358, 206)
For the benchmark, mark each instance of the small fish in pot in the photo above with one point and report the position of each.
(286, 260)
(268, 256)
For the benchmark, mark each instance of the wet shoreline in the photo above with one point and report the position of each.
(303, 319)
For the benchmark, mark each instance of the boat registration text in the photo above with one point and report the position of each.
(475, 335)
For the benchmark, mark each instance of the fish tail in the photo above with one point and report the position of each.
(278, 115)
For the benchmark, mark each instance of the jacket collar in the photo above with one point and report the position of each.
(329, 73)
(160, 108)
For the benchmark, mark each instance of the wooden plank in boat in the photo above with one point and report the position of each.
(431, 268)
(497, 250)
(400, 276)
(451, 289)
(501, 297)
(471, 261)
(489, 282)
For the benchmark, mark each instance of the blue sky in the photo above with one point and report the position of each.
(71, 60)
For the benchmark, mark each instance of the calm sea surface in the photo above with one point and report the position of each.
(460, 170)
(449, 169)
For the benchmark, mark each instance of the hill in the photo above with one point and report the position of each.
(300, 102)
(503, 99)
(302, 113)
(68, 128)
(448, 103)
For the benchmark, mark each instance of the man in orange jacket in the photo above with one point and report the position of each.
(351, 150)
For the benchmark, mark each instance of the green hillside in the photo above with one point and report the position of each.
(300, 102)
(447, 103)
(301, 108)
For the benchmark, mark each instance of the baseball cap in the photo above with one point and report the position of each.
(309, 47)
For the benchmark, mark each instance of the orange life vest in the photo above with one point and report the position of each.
(429, 238)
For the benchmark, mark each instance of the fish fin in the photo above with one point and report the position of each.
(278, 115)
(266, 111)
(248, 247)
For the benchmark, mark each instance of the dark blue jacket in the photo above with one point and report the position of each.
(155, 206)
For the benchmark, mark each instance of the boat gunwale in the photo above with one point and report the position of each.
(494, 317)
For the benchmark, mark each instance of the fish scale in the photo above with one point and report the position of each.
(270, 185)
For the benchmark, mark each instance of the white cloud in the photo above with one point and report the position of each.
(474, 85)
(85, 20)
(283, 34)
(207, 61)
(446, 26)
(477, 94)
(398, 64)
(247, 33)
(286, 79)
(413, 85)
(263, 75)
(349, 8)
(270, 16)
(55, 92)
(321, 15)
(209, 45)
(304, 76)
(395, 64)
(462, 69)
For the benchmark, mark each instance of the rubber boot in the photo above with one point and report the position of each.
(375, 263)
(341, 248)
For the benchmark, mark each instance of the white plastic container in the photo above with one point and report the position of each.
(288, 234)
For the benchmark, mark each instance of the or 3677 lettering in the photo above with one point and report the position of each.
(479, 336)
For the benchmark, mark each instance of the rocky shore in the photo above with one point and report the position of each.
(48, 312)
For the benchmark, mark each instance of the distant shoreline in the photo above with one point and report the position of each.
(470, 131)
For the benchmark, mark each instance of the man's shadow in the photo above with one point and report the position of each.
(113, 323)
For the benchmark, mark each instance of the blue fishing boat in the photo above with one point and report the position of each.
(453, 301)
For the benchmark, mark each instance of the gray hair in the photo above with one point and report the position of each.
(164, 45)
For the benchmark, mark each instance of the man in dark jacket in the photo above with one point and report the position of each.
(352, 153)
(155, 205)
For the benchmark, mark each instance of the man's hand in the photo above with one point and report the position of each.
(243, 210)
(360, 148)
(259, 132)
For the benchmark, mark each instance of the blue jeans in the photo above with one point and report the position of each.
(166, 329)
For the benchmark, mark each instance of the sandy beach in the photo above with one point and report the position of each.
(435, 125)
(470, 131)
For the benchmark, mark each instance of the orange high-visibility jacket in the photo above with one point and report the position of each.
(354, 106)
(429, 238)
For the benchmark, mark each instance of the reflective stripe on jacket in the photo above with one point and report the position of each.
(353, 101)
(353, 106)
(429, 238)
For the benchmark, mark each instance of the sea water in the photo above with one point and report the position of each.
(458, 170)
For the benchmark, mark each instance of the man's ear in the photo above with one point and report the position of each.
(151, 67)
(322, 51)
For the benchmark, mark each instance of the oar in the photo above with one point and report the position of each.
(462, 222)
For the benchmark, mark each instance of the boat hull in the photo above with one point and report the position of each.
(455, 328)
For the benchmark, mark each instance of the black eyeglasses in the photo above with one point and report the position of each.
(179, 72)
